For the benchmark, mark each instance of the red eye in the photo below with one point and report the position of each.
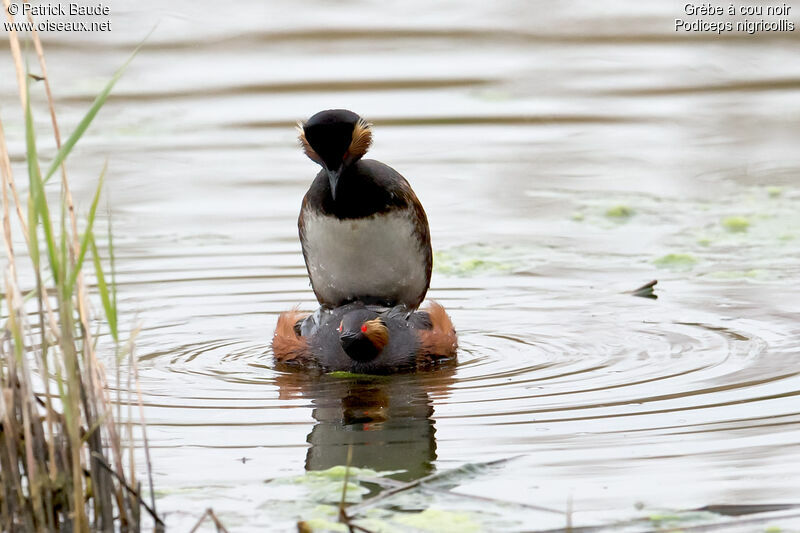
(364, 328)
(340, 328)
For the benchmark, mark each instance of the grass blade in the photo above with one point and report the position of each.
(102, 287)
(54, 466)
(86, 234)
(113, 263)
(39, 200)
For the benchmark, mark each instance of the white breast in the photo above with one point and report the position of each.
(378, 257)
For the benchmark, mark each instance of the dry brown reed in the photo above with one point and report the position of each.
(63, 465)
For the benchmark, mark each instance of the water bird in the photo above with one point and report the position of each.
(364, 233)
(365, 339)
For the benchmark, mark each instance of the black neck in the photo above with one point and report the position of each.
(364, 189)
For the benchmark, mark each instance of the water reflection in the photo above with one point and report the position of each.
(388, 420)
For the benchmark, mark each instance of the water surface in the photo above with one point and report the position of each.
(565, 155)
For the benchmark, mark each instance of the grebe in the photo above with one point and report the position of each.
(365, 339)
(364, 233)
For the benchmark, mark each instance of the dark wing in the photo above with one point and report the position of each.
(402, 196)
(420, 320)
(312, 201)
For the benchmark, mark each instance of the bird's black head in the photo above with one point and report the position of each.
(363, 335)
(335, 138)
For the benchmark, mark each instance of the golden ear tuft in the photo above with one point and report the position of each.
(301, 136)
(361, 141)
(377, 333)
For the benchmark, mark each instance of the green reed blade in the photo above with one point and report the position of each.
(42, 212)
(33, 235)
(63, 245)
(113, 264)
(89, 228)
(102, 287)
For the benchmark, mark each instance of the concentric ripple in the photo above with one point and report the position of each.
(581, 369)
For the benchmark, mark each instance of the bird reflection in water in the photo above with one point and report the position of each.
(387, 419)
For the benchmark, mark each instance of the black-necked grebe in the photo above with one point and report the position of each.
(365, 339)
(364, 233)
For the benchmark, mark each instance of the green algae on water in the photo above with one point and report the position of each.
(665, 517)
(774, 191)
(439, 521)
(735, 224)
(673, 520)
(339, 374)
(619, 212)
(739, 274)
(339, 472)
(326, 485)
(471, 265)
(324, 518)
(676, 261)
(472, 259)
(320, 524)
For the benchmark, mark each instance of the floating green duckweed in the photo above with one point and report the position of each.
(471, 265)
(326, 485)
(471, 259)
(774, 192)
(337, 473)
(676, 261)
(619, 212)
(739, 274)
(666, 517)
(674, 519)
(735, 224)
(320, 524)
(345, 374)
(439, 521)
(578, 216)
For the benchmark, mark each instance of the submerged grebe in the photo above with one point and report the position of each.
(364, 233)
(365, 339)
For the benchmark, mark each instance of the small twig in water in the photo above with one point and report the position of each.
(569, 512)
(144, 425)
(101, 461)
(209, 514)
(353, 509)
(389, 483)
(342, 513)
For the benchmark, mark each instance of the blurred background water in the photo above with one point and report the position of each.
(565, 153)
